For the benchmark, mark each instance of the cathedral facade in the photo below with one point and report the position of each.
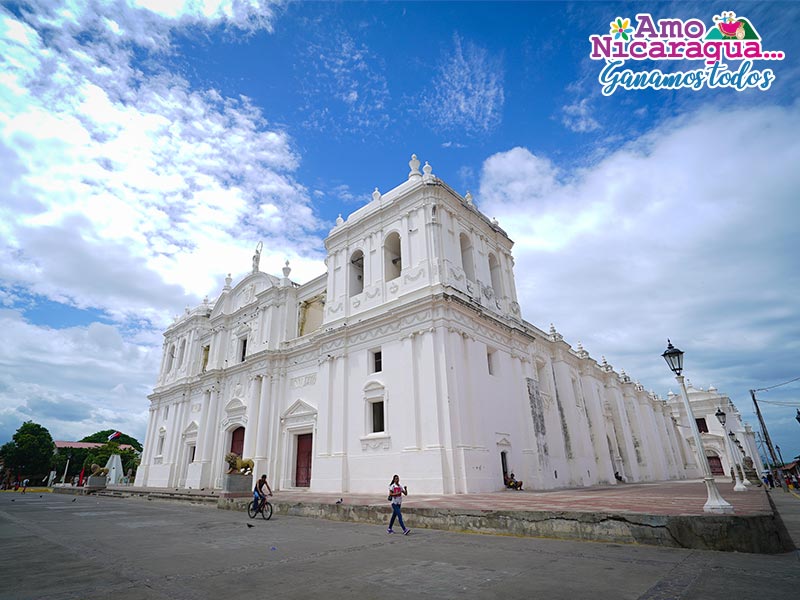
(411, 356)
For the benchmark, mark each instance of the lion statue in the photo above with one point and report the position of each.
(237, 464)
(98, 471)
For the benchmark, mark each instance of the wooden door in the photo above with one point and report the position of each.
(716, 465)
(237, 441)
(303, 469)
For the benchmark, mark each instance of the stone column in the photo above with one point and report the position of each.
(598, 428)
(143, 471)
(253, 408)
(260, 446)
(573, 424)
(209, 425)
(625, 429)
(453, 412)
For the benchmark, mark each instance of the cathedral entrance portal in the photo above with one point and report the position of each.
(303, 465)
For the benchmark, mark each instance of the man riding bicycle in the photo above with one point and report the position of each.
(259, 492)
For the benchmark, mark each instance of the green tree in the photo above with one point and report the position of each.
(30, 451)
(76, 457)
(102, 437)
(101, 455)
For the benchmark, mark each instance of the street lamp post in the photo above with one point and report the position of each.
(64, 478)
(780, 469)
(722, 418)
(778, 450)
(715, 502)
(740, 456)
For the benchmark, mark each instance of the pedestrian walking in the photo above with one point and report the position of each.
(396, 493)
(25, 485)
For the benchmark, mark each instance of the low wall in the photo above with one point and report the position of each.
(762, 534)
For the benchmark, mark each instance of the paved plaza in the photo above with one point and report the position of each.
(669, 498)
(86, 547)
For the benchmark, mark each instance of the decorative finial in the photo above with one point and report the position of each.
(339, 220)
(228, 281)
(581, 352)
(414, 166)
(427, 169)
(689, 384)
(495, 221)
(287, 270)
(468, 197)
(376, 195)
(186, 310)
(554, 335)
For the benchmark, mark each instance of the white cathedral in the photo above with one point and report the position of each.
(410, 356)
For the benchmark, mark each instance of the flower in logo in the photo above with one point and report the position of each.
(621, 28)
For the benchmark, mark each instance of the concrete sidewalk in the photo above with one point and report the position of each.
(666, 514)
(787, 505)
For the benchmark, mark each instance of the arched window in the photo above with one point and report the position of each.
(170, 358)
(494, 270)
(356, 273)
(466, 256)
(392, 257)
(181, 353)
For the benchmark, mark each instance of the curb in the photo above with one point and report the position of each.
(759, 534)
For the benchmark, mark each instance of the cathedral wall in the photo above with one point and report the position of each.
(409, 356)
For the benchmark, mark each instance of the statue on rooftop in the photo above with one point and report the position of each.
(257, 257)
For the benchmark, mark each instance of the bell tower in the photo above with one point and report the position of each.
(418, 239)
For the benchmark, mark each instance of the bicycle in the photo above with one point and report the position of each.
(265, 509)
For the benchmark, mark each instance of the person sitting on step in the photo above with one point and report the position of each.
(512, 483)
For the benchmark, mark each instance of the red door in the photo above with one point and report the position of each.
(303, 471)
(237, 441)
(716, 465)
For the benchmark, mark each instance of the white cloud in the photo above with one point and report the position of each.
(688, 232)
(75, 380)
(129, 192)
(578, 117)
(345, 88)
(139, 163)
(467, 90)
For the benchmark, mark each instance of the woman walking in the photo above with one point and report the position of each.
(396, 493)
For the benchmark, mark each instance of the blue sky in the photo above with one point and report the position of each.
(147, 146)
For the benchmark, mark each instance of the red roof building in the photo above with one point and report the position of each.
(61, 444)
